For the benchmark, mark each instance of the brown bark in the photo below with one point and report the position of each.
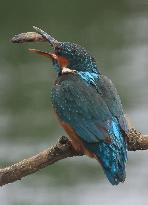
(61, 150)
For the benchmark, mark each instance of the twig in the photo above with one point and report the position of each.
(61, 150)
(136, 141)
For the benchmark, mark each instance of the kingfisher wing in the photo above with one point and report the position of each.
(80, 105)
(107, 90)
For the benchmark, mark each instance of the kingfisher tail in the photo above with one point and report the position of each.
(112, 156)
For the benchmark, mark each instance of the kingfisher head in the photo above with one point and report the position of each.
(68, 57)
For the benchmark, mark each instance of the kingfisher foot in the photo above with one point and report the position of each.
(63, 140)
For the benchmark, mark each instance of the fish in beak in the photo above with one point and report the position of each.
(53, 42)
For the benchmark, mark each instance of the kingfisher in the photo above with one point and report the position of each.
(88, 107)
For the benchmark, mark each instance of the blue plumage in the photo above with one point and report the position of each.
(88, 105)
(84, 109)
(112, 156)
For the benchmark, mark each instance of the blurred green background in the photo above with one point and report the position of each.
(116, 33)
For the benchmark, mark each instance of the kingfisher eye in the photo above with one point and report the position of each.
(58, 51)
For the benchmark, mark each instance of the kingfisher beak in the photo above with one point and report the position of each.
(53, 42)
(53, 56)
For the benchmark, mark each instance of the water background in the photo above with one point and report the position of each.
(116, 33)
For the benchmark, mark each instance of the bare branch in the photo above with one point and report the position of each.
(61, 150)
(137, 141)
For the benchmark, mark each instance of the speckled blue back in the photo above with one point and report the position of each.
(83, 105)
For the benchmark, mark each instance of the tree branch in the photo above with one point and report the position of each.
(61, 150)
(136, 141)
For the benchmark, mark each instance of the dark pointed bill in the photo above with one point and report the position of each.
(53, 42)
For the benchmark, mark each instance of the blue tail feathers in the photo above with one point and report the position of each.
(112, 156)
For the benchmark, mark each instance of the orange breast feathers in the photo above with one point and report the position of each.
(75, 140)
(63, 62)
